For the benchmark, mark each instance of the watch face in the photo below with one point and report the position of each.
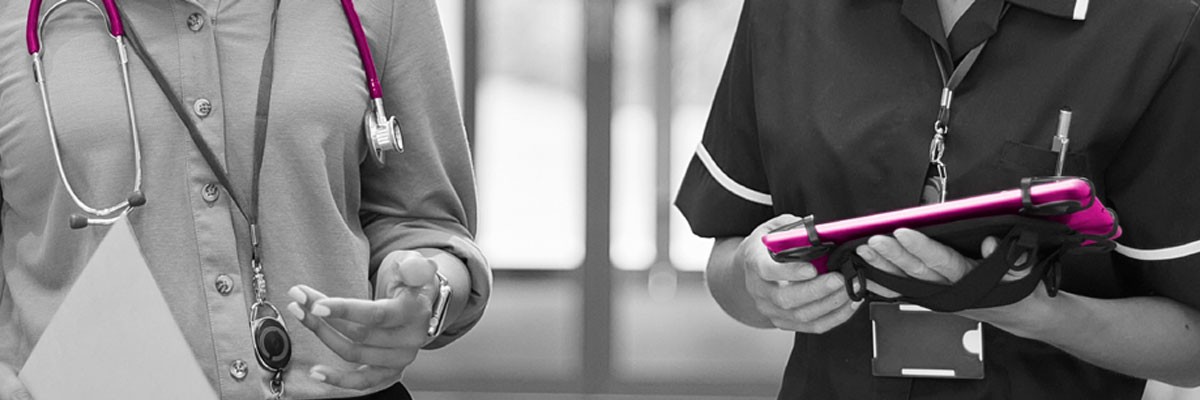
(272, 345)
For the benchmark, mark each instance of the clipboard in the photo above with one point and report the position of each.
(113, 336)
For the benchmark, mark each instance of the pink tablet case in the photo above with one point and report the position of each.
(1095, 219)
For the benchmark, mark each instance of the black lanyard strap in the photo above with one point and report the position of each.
(272, 343)
(950, 83)
(249, 210)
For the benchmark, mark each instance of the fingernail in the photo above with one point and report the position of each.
(296, 294)
(856, 305)
(864, 253)
(808, 272)
(856, 286)
(320, 310)
(294, 308)
(833, 283)
(317, 376)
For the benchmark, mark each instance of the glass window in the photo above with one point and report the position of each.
(529, 147)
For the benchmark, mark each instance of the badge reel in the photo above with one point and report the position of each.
(272, 344)
(382, 131)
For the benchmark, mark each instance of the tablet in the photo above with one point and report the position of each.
(1071, 201)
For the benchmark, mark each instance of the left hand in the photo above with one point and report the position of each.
(382, 335)
(912, 254)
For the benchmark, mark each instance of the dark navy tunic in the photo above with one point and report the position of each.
(827, 108)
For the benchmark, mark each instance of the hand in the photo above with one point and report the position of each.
(11, 387)
(912, 254)
(382, 335)
(791, 294)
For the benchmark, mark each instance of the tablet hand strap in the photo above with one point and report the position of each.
(1027, 243)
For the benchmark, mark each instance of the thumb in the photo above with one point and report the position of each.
(403, 269)
(11, 387)
(988, 246)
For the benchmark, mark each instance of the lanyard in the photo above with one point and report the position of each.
(941, 127)
(272, 343)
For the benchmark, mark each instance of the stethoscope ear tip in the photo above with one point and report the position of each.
(78, 221)
(137, 199)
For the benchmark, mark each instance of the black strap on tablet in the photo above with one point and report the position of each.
(1027, 243)
(816, 249)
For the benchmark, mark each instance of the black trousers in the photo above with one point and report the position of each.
(396, 392)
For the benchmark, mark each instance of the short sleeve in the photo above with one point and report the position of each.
(724, 191)
(1154, 181)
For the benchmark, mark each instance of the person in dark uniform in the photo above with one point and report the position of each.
(828, 108)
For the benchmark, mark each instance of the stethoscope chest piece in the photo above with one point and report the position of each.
(383, 132)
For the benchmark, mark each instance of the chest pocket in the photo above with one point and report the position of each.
(1016, 160)
(1029, 160)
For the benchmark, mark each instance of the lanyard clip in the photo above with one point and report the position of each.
(937, 148)
(942, 125)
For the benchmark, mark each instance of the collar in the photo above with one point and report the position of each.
(981, 21)
(1070, 9)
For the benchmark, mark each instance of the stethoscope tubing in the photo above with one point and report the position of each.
(382, 131)
(364, 50)
(117, 32)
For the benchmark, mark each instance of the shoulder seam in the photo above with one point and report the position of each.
(1184, 37)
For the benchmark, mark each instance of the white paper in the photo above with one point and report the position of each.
(114, 337)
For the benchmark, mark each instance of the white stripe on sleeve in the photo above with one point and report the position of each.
(1081, 7)
(728, 183)
(1168, 253)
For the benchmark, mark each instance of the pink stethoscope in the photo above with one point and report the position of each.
(382, 131)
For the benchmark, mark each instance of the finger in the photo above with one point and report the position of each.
(820, 308)
(393, 357)
(374, 336)
(386, 313)
(936, 256)
(416, 272)
(769, 270)
(893, 251)
(797, 294)
(305, 295)
(11, 387)
(824, 323)
(775, 223)
(877, 261)
(836, 318)
(362, 378)
(405, 269)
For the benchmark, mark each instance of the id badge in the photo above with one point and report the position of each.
(910, 341)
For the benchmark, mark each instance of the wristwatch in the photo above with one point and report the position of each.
(437, 319)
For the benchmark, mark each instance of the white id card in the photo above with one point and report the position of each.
(113, 337)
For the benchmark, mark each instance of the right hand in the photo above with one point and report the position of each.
(791, 294)
(11, 387)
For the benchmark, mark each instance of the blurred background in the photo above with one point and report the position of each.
(582, 115)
